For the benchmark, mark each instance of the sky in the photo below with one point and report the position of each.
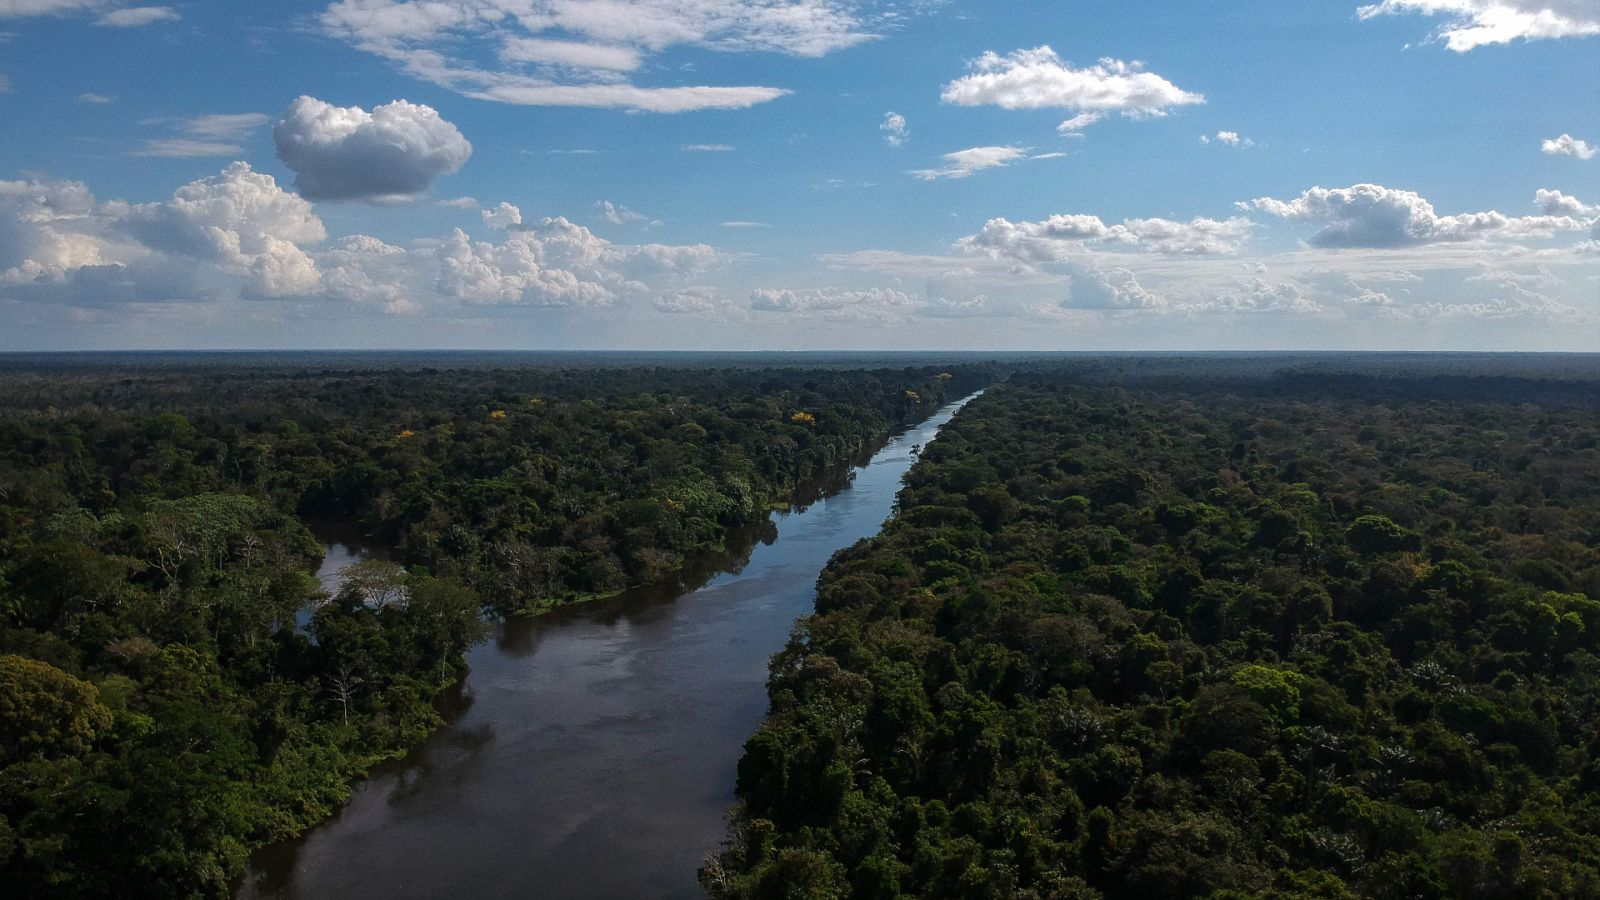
(800, 174)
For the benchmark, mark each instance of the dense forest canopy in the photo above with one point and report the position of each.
(160, 713)
(1153, 628)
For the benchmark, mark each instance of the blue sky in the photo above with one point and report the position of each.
(1086, 175)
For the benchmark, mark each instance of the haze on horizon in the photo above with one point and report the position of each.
(799, 174)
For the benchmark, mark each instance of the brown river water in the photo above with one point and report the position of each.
(590, 752)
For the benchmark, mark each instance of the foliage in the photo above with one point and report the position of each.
(160, 712)
(1202, 637)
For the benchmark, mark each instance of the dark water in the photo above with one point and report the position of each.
(343, 545)
(591, 752)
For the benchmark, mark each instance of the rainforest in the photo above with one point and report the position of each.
(1096, 626)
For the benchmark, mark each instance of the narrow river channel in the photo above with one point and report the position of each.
(590, 753)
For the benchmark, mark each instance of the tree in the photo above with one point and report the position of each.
(45, 712)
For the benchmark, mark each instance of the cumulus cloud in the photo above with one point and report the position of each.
(558, 263)
(1060, 238)
(1114, 288)
(240, 234)
(1477, 23)
(559, 53)
(963, 163)
(137, 17)
(617, 214)
(48, 227)
(1258, 294)
(835, 303)
(503, 217)
(1555, 203)
(241, 220)
(694, 300)
(894, 128)
(1567, 145)
(1227, 138)
(1039, 79)
(1374, 216)
(55, 239)
(395, 152)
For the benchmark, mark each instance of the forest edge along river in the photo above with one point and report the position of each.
(590, 752)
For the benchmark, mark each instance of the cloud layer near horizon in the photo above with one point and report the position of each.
(238, 234)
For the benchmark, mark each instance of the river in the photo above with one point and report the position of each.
(590, 752)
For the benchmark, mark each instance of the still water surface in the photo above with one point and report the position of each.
(590, 752)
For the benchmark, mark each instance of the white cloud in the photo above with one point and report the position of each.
(563, 53)
(963, 163)
(209, 135)
(617, 214)
(1074, 126)
(1524, 307)
(395, 152)
(56, 243)
(557, 263)
(526, 92)
(574, 54)
(99, 99)
(696, 300)
(741, 223)
(240, 220)
(1476, 23)
(186, 147)
(1567, 145)
(1039, 79)
(48, 227)
(707, 148)
(503, 217)
(1374, 216)
(16, 9)
(224, 126)
(138, 17)
(1228, 138)
(894, 128)
(1256, 295)
(1114, 288)
(239, 234)
(1555, 203)
(1060, 238)
(510, 274)
(460, 202)
(836, 303)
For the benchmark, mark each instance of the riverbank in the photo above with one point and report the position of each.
(589, 729)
